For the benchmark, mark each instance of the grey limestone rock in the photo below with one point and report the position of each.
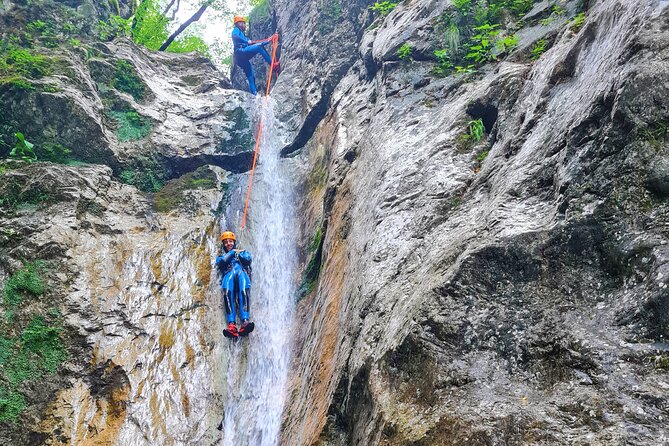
(510, 291)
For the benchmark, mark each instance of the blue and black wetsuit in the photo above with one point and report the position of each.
(243, 53)
(234, 266)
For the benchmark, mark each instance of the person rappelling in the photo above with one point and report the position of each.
(235, 266)
(245, 49)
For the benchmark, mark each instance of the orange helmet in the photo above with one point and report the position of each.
(239, 18)
(228, 235)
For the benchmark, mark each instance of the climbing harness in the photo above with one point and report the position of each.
(275, 41)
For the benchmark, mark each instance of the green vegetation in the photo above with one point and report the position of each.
(487, 44)
(482, 156)
(473, 34)
(655, 133)
(383, 8)
(36, 26)
(465, 142)
(12, 402)
(556, 12)
(115, 27)
(317, 240)
(17, 65)
(462, 5)
(404, 52)
(484, 44)
(131, 126)
(578, 22)
(547, 21)
(506, 44)
(538, 49)
(171, 195)
(313, 269)
(451, 38)
(146, 174)
(23, 149)
(468, 69)
(36, 352)
(662, 362)
(150, 27)
(20, 148)
(127, 80)
(476, 129)
(260, 11)
(54, 152)
(43, 340)
(15, 197)
(23, 283)
(444, 66)
(559, 10)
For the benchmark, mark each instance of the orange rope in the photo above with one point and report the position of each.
(275, 40)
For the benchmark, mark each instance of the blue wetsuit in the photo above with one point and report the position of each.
(234, 265)
(244, 53)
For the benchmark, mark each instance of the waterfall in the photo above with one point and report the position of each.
(258, 365)
(156, 298)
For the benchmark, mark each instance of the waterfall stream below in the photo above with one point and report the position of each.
(258, 365)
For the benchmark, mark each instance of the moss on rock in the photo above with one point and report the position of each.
(127, 80)
(31, 346)
(145, 173)
(171, 196)
(241, 138)
(131, 126)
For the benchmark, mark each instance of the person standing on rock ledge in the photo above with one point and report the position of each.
(235, 264)
(245, 50)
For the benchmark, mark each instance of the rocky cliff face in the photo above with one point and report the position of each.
(510, 290)
(484, 247)
(111, 311)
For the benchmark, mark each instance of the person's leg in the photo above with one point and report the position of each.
(245, 64)
(244, 294)
(228, 297)
(254, 49)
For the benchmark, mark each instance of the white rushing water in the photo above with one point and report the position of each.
(258, 365)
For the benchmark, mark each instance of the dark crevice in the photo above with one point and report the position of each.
(238, 163)
(318, 112)
(486, 112)
(150, 173)
(314, 117)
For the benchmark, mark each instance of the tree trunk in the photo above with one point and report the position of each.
(194, 18)
(175, 10)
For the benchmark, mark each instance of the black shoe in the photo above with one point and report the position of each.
(231, 331)
(246, 328)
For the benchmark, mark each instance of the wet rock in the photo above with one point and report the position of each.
(658, 178)
(490, 293)
(128, 104)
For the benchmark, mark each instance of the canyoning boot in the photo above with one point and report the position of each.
(231, 331)
(246, 328)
